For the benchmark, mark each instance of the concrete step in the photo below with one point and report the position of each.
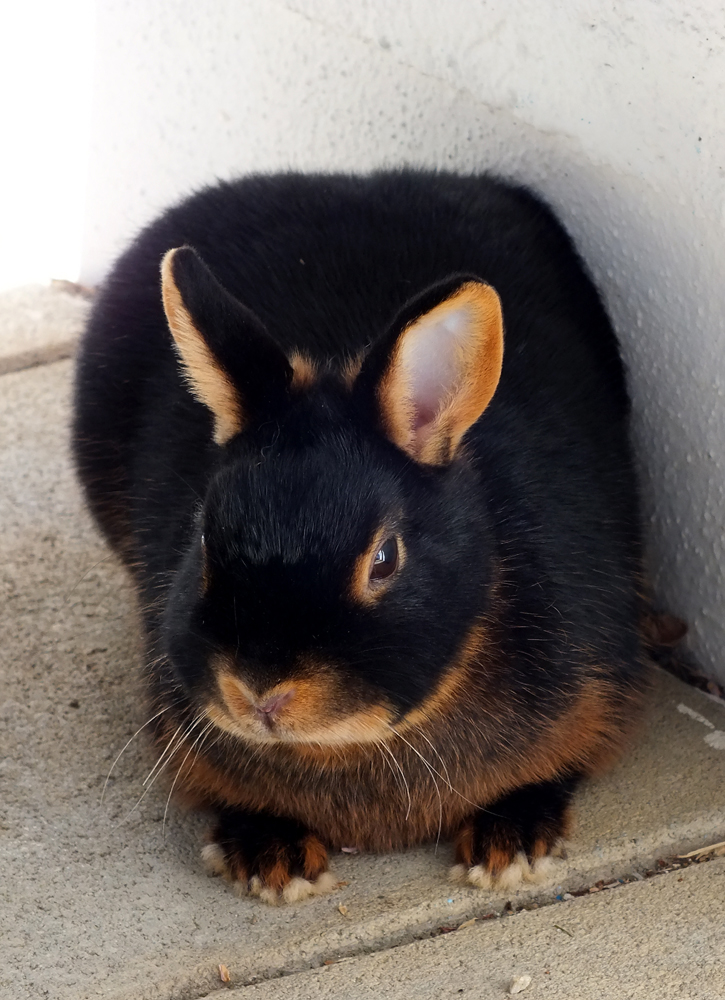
(40, 323)
(96, 900)
(653, 940)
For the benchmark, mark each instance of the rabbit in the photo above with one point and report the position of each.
(362, 442)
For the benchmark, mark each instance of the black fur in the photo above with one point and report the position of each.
(532, 817)
(255, 843)
(543, 494)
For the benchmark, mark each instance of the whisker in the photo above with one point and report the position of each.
(437, 753)
(402, 775)
(221, 736)
(198, 740)
(432, 773)
(162, 755)
(450, 786)
(109, 555)
(378, 746)
(150, 776)
(127, 745)
(169, 758)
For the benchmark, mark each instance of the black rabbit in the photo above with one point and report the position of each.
(389, 556)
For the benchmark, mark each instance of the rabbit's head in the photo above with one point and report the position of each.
(334, 585)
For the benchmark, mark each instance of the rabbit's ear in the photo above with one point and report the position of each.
(229, 361)
(438, 367)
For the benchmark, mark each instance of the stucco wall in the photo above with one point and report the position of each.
(610, 110)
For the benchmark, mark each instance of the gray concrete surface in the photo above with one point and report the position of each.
(40, 323)
(96, 902)
(652, 940)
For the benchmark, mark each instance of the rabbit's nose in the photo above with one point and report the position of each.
(268, 711)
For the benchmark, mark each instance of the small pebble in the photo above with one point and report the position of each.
(519, 984)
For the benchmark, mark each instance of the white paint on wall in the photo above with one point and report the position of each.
(715, 738)
(686, 710)
(612, 111)
(46, 61)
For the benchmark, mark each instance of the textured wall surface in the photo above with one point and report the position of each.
(611, 111)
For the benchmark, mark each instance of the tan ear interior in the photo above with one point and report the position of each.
(474, 363)
(207, 380)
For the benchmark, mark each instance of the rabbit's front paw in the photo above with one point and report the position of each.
(276, 859)
(509, 843)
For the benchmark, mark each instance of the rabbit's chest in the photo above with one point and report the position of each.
(379, 803)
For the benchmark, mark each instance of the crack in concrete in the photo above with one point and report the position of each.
(37, 356)
(669, 865)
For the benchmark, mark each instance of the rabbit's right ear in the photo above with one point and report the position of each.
(230, 362)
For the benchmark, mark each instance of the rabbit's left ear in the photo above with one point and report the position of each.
(437, 369)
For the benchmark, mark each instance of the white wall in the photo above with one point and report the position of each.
(610, 110)
(45, 84)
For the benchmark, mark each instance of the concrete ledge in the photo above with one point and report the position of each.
(659, 939)
(40, 324)
(96, 902)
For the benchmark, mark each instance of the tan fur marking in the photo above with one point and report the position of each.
(353, 793)
(588, 735)
(318, 720)
(320, 713)
(464, 845)
(498, 859)
(204, 785)
(315, 855)
(480, 358)
(444, 695)
(238, 871)
(540, 848)
(278, 875)
(362, 588)
(238, 698)
(207, 380)
(351, 370)
(304, 372)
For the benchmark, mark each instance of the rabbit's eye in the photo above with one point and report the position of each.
(386, 560)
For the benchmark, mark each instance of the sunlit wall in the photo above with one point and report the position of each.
(46, 58)
(613, 111)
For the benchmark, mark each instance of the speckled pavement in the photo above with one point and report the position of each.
(656, 940)
(98, 900)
